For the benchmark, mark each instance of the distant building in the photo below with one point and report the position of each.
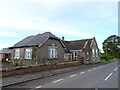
(4, 54)
(86, 51)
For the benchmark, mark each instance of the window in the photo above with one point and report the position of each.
(87, 52)
(75, 55)
(87, 59)
(28, 53)
(96, 52)
(52, 53)
(93, 53)
(17, 54)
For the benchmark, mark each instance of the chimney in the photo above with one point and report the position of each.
(63, 38)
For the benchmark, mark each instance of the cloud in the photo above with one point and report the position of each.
(7, 34)
(16, 23)
(5, 45)
(67, 32)
(30, 26)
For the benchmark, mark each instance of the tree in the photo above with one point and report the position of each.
(111, 46)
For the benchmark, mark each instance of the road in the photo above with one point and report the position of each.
(104, 76)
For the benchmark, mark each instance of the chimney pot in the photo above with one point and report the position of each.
(63, 38)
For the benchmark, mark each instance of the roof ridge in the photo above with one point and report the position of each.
(35, 39)
(41, 33)
(79, 40)
(29, 36)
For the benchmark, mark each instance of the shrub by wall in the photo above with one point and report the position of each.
(35, 69)
(105, 57)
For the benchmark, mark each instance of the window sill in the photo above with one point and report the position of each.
(16, 58)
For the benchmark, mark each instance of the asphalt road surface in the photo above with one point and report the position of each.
(104, 76)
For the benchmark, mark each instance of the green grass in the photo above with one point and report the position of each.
(109, 60)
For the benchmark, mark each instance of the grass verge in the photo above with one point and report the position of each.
(109, 60)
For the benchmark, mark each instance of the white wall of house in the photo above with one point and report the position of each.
(94, 53)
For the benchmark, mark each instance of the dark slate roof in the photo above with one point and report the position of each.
(5, 51)
(35, 40)
(75, 45)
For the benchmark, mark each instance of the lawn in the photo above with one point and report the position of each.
(109, 60)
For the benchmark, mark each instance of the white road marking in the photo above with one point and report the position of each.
(73, 75)
(82, 72)
(108, 76)
(89, 70)
(115, 68)
(58, 80)
(38, 87)
(94, 68)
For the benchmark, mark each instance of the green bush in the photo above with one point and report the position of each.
(105, 57)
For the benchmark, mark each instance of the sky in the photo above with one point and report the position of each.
(73, 19)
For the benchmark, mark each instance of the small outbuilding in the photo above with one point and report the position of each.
(86, 51)
(5, 54)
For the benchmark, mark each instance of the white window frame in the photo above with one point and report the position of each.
(28, 53)
(87, 52)
(87, 59)
(52, 53)
(75, 56)
(17, 54)
(93, 52)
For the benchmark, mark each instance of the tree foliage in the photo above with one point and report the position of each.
(111, 46)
